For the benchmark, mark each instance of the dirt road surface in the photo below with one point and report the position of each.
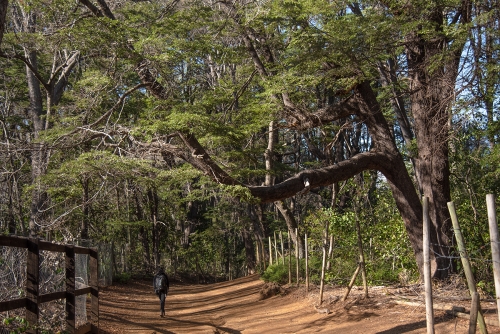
(236, 307)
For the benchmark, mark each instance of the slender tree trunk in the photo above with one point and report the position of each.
(249, 250)
(227, 258)
(146, 257)
(292, 225)
(40, 118)
(27, 23)
(142, 236)
(3, 14)
(255, 215)
(84, 233)
(17, 205)
(361, 255)
(280, 205)
(123, 256)
(39, 151)
(10, 219)
(155, 237)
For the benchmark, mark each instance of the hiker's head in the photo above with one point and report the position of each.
(160, 270)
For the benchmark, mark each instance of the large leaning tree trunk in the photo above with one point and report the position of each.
(433, 92)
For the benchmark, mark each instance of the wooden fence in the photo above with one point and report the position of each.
(33, 299)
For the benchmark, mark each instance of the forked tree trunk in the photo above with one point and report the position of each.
(433, 95)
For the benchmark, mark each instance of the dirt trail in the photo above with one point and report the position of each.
(234, 307)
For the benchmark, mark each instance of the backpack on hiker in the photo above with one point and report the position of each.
(161, 283)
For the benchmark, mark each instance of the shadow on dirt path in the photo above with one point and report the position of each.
(134, 308)
(234, 307)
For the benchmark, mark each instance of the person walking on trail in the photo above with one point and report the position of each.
(161, 285)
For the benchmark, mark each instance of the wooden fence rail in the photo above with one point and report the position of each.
(33, 299)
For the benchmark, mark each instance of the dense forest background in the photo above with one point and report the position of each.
(186, 133)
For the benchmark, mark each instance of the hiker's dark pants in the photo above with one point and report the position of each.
(162, 296)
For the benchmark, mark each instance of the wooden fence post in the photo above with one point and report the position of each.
(465, 262)
(297, 254)
(351, 283)
(263, 253)
(474, 309)
(495, 249)
(270, 252)
(257, 257)
(323, 266)
(429, 311)
(361, 255)
(276, 249)
(282, 248)
(330, 251)
(32, 287)
(94, 286)
(289, 259)
(307, 262)
(70, 288)
(33, 299)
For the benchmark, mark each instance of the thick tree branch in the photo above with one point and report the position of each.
(93, 8)
(200, 159)
(308, 179)
(148, 78)
(62, 80)
(318, 177)
(103, 11)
